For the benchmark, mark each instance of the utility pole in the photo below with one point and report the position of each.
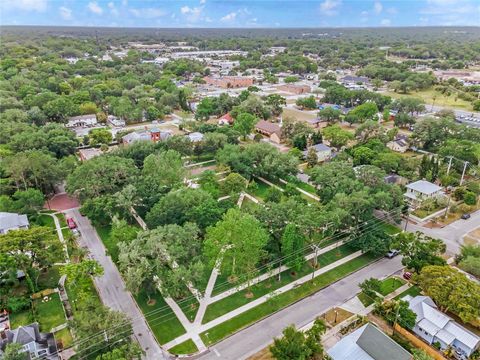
(406, 220)
(463, 173)
(315, 263)
(449, 164)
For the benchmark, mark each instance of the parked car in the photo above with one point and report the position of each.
(407, 275)
(392, 253)
(466, 216)
(71, 223)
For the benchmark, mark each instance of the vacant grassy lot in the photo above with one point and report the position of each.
(49, 314)
(428, 96)
(278, 302)
(187, 347)
(267, 286)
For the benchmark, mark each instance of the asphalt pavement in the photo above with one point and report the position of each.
(112, 290)
(256, 337)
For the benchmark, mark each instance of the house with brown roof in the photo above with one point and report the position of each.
(226, 119)
(273, 131)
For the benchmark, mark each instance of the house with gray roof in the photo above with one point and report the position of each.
(368, 343)
(37, 345)
(433, 326)
(195, 136)
(323, 152)
(421, 190)
(12, 221)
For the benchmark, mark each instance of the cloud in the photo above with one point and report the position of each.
(148, 13)
(95, 8)
(65, 12)
(377, 7)
(24, 5)
(113, 9)
(192, 14)
(329, 7)
(202, 2)
(451, 12)
(229, 17)
(386, 22)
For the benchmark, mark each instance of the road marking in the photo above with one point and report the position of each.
(216, 352)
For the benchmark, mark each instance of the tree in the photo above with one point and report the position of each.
(131, 351)
(451, 290)
(371, 287)
(27, 202)
(167, 257)
(312, 158)
(292, 247)
(297, 345)
(329, 114)
(78, 276)
(470, 198)
(334, 177)
(15, 351)
(396, 312)
(233, 184)
(337, 136)
(366, 111)
(276, 102)
(152, 113)
(308, 103)
(244, 124)
(100, 137)
(273, 195)
(88, 108)
(419, 250)
(239, 238)
(419, 354)
(164, 170)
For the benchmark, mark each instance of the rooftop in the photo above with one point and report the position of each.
(424, 187)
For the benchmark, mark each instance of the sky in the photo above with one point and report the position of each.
(240, 13)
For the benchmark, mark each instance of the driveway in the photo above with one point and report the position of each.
(451, 234)
(112, 290)
(256, 337)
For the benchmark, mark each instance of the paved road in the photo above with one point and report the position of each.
(451, 234)
(112, 289)
(251, 340)
(458, 114)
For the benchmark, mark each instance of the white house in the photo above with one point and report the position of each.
(368, 343)
(399, 144)
(114, 121)
(433, 326)
(12, 221)
(82, 121)
(421, 190)
(323, 151)
(195, 137)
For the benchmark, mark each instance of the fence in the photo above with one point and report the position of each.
(419, 343)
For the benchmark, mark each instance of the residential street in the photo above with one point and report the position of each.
(254, 338)
(451, 234)
(112, 289)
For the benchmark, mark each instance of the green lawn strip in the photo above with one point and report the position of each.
(390, 285)
(61, 219)
(260, 191)
(163, 322)
(365, 299)
(238, 299)
(110, 245)
(229, 327)
(412, 291)
(79, 302)
(248, 205)
(222, 284)
(388, 228)
(187, 347)
(49, 314)
(64, 337)
(302, 185)
(45, 220)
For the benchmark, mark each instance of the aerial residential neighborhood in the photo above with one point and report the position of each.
(258, 180)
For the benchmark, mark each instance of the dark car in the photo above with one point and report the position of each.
(392, 253)
(466, 216)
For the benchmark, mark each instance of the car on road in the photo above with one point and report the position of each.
(465, 216)
(71, 224)
(392, 253)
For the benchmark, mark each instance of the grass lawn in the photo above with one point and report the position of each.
(219, 332)
(389, 228)
(390, 285)
(248, 205)
(65, 337)
(260, 191)
(365, 299)
(187, 347)
(45, 220)
(422, 213)
(412, 290)
(21, 318)
(49, 313)
(163, 322)
(110, 245)
(440, 99)
(238, 299)
(49, 279)
(302, 185)
(61, 219)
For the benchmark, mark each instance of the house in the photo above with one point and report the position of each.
(82, 121)
(116, 122)
(36, 344)
(12, 221)
(434, 327)
(354, 80)
(226, 119)
(195, 137)
(273, 131)
(229, 82)
(89, 153)
(323, 151)
(421, 190)
(294, 89)
(153, 134)
(399, 144)
(368, 343)
(395, 179)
